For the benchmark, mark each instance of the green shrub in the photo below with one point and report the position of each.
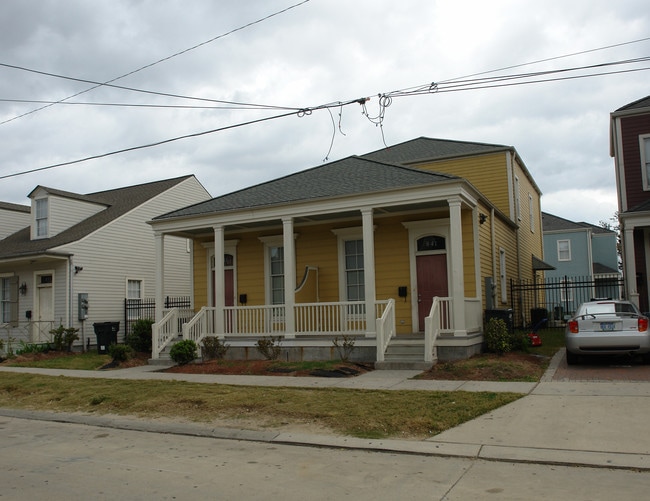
(140, 336)
(212, 348)
(497, 337)
(269, 347)
(120, 352)
(521, 341)
(183, 352)
(64, 338)
(26, 348)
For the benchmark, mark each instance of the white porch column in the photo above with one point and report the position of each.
(219, 284)
(455, 254)
(630, 264)
(159, 239)
(289, 278)
(369, 271)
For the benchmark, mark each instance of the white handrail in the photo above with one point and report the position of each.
(163, 332)
(440, 318)
(385, 329)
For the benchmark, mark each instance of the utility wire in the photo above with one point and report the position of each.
(133, 89)
(100, 84)
(301, 113)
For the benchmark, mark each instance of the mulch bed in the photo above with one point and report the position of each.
(266, 368)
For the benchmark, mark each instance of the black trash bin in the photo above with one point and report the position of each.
(537, 315)
(106, 333)
(506, 315)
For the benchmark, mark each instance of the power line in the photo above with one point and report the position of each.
(301, 113)
(133, 89)
(135, 105)
(100, 84)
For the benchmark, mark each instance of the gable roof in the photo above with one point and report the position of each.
(349, 176)
(556, 223)
(425, 149)
(644, 102)
(118, 202)
(15, 207)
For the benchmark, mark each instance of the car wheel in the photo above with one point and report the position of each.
(571, 358)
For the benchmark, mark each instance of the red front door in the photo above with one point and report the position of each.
(431, 282)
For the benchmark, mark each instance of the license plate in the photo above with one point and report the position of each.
(606, 326)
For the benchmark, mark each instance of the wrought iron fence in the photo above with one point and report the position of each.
(145, 308)
(556, 299)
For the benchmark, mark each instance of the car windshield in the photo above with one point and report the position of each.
(603, 308)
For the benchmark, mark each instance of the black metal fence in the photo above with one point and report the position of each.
(556, 299)
(136, 309)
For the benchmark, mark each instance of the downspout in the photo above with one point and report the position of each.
(494, 257)
(69, 319)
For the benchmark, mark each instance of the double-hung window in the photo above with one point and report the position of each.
(8, 300)
(564, 250)
(354, 278)
(276, 275)
(41, 217)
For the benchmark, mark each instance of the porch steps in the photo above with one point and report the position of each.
(404, 353)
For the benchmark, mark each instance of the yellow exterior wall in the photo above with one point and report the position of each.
(488, 173)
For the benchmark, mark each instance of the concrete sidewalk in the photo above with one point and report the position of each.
(591, 424)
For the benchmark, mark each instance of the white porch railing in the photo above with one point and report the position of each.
(36, 332)
(385, 329)
(440, 319)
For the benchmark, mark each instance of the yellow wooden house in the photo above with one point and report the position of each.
(398, 252)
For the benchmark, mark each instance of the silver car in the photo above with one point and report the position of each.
(606, 327)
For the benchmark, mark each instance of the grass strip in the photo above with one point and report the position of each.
(360, 413)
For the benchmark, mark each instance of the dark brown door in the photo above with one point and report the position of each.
(432, 281)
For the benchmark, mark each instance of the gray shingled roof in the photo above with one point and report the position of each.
(349, 176)
(556, 223)
(602, 269)
(118, 201)
(15, 207)
(425, 149)
(644, 102)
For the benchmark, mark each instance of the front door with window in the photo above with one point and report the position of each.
(431, 281)
(44, 314)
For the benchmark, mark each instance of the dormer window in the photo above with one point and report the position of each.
(41, 217)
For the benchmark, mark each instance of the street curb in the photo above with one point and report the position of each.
(593, 459)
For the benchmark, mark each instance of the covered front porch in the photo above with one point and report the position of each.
(355, 248)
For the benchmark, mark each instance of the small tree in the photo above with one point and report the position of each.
(269, 347)
(212, 348)
(344, 346)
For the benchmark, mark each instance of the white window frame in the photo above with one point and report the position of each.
(503, 275)
(8, 299)
(345, 235)
(271, 242)
(644, 143)
(568, 250)
(531, 213)
(41, 217)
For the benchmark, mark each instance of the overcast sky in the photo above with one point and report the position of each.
(319, 52)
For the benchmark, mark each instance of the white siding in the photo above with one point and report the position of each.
(11, 221)
(66, 212)
(124, 249)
